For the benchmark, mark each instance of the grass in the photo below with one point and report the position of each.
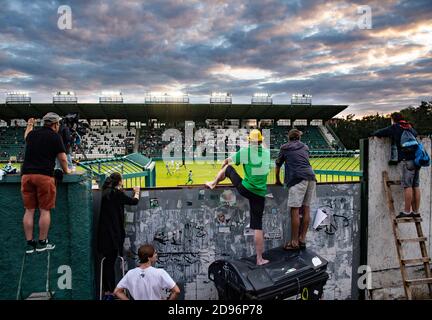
(203, 172)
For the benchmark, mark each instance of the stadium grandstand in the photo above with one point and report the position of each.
(117, 129)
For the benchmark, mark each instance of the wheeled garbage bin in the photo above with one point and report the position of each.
(299, 274)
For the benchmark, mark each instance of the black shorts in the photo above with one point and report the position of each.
(256, 202)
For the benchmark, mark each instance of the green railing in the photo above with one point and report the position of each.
(134, 174)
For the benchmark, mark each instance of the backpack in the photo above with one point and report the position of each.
(408, 142)
(422, 158)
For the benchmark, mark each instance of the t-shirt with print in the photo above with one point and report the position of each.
(146, 284)
(256, 167)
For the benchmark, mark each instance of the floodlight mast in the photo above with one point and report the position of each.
(65, 97)
(111, 97)
(221, 98)
(301, 98)
(18, 97)
(166, 98)
(262, 98)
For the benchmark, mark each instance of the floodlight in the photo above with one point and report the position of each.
(262, 98)
(301, 98)
(18, 97)
(221, 98)
(111, 97)
(164, 97)
(65, 97)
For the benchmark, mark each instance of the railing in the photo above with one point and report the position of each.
(132, 173)
(339, 142)
(330, 167)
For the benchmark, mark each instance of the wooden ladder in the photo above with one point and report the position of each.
(421, 239)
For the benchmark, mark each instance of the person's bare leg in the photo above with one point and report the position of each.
(219, 177)
(305, 223)
(259, 247)
(295, 224)
(44, 223)
(408, 195)
(28, 221)
(416, 200)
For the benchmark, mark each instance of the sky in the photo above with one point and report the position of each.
(333, 50)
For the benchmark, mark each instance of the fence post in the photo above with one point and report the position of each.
(364, 189)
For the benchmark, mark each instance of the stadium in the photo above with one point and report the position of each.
(141, 132)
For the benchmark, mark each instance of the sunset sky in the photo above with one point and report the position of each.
(280, 47)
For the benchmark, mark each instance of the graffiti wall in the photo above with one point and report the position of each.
(192, 227)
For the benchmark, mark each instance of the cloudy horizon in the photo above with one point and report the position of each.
(280, 47)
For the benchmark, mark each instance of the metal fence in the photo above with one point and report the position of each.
(329, 166)
(132, 173)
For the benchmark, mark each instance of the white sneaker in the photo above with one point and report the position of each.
(43, 247)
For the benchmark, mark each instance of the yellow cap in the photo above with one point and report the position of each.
(255, 135)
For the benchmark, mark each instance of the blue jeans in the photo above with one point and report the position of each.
(69, 162)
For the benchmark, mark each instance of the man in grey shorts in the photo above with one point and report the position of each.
(410, 173)
(301, 182)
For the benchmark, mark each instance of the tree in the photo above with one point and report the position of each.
(350, 130)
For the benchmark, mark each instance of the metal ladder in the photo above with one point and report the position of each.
(101, 273)
(45, 295)
(421, 239)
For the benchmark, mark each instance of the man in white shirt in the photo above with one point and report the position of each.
(146, 282)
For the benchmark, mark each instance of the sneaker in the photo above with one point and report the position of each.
(44, 245)
(30, 247)
(415, 214)
(108, 297)
(403, 215)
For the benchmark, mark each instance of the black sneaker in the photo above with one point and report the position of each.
(30, 247)
(44, 245)
(403, 215)
(415, 215)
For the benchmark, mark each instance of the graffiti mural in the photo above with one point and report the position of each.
(191, 228)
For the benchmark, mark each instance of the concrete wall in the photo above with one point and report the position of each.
(184, 226)
(382, 256)
(71, 270)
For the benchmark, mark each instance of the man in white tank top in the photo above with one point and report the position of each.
(146, 282)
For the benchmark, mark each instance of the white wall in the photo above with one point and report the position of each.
(382, 255)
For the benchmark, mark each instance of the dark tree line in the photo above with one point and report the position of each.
(350, 130)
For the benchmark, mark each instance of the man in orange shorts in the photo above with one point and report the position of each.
(38, 188)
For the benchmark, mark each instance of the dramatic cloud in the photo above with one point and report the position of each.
(278, 46)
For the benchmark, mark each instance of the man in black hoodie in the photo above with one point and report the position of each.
(301, 182)
(410, 173)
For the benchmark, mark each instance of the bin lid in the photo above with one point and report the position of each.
(284, 267)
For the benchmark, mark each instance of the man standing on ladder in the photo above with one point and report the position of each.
(38, 187)
(410, 172)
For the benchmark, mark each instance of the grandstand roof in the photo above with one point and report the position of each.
(170, 112)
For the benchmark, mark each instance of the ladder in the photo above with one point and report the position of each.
(122, 261)
(420, 239)
(44, 295)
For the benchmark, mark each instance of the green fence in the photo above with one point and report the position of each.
(71, 262)
(136, 170)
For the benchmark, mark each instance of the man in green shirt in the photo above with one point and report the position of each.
(256, 166)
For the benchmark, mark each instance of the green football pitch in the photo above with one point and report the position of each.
(203, 172)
